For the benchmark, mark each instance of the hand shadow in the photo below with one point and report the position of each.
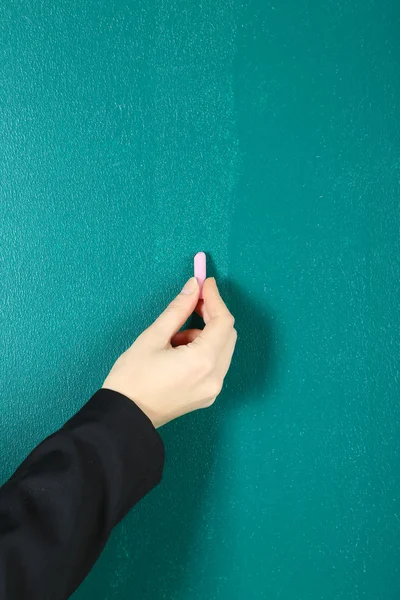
(152, 552)
(253, 372)
(254, 368)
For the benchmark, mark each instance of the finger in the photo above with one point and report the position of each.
(220, 325)
(213, 302)
(202, 311)
(224, 360)
(226, 355)
(175, 315)
(183, 338)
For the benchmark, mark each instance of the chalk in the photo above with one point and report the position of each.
(200, 270)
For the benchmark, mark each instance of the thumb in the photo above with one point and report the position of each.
(175, 315)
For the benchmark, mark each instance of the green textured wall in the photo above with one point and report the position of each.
(134, 133)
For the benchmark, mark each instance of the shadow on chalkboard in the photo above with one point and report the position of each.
(254, 368)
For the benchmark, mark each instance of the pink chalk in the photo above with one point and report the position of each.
(200, 270)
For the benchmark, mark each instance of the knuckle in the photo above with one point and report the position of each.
(173, 307)
(235, 334)
(209, 402)
(230, 320)
(215, 386)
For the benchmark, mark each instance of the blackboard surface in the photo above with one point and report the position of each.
(132, 135)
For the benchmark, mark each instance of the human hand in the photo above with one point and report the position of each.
(168, 372)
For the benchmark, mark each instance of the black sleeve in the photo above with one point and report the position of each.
(59, 507)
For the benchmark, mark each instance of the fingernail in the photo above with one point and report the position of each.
(190, 286)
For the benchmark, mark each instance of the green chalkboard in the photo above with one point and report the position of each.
(134, 133)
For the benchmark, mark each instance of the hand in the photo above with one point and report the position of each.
(168, 372)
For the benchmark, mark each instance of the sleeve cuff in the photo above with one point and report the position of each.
(132, 451)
